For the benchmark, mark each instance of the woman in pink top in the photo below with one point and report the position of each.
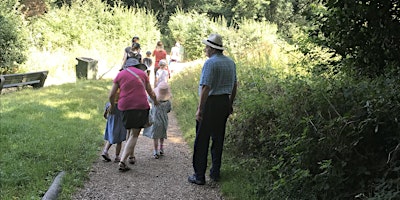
(133, 83)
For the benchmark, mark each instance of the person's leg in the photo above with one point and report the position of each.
(200, 152)
(105, 155)
(218, 134)
(216, 151)
(130, 144)
(132, 154)
(155, 152)
(161, 146)
(117, 152)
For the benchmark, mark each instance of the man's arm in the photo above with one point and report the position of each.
(205, 90)
(232, 96)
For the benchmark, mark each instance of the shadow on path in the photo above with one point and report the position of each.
(149, 178)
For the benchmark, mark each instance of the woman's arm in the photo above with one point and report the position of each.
(151, 93)
(111, 97)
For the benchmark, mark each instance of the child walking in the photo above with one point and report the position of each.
(159, 114)
(162, 75)
(115, 133)
(148, 62)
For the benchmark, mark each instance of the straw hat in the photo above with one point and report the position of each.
(214, 41)
(163, 92)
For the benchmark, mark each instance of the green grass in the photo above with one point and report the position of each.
(49, 130)
(184, 88)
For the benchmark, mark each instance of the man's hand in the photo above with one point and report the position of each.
(199, 115)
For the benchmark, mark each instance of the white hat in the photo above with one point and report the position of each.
(162, 62)
(214, 41)
(162, 91)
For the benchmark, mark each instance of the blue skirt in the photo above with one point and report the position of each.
(115, 131)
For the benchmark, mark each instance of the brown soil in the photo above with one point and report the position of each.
(149, 178)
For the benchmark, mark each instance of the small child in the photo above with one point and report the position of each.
(159, 113)
(115, 133)
(148, 62)
(162, 75)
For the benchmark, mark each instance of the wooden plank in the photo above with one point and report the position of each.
(35, 79)
(21, 84)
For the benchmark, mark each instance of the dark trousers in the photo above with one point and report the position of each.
(215, 115)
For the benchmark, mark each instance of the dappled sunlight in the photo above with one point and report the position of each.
(80, 115)
(177, 140)
(55, 104)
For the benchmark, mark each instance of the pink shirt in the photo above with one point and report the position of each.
(133, 95)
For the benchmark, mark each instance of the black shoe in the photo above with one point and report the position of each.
(193, 179)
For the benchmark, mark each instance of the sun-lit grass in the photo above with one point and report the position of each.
(185, 98)
(49, 130)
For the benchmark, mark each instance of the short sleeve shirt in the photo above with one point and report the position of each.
(219, 73)
(159, 55)
(133, 95)
(162, 76)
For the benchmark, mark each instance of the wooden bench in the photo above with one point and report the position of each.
(34, 79)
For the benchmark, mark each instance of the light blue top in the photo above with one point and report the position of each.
(219, 73)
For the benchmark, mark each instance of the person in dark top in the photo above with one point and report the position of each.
(132, 51)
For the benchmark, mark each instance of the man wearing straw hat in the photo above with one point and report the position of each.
(217, 90)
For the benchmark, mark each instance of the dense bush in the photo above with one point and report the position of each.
(318, 138)
(13, 37)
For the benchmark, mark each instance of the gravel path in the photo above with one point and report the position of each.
(149, 178)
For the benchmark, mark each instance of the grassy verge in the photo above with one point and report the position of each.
(45, 131)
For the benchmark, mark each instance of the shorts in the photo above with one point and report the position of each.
(135, 118)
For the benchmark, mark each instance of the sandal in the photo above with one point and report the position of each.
(123, 167)
(161, 152)
(117, 159)
(106, 157)
(155, 156)
(132, 160)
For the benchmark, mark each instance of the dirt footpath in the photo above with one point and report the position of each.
(149, 178)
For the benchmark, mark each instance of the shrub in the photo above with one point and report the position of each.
(13, 37)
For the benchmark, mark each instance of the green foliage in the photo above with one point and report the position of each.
(13, 37)
(302, 128)
(364, 33)
(45, 131)
(87, 29)
(185, 99)
(317, 138)
(190, 29)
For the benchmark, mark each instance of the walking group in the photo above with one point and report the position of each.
(134, 105)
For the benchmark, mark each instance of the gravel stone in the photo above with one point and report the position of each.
(149, 178)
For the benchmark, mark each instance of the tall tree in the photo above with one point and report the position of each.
(365, 33)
